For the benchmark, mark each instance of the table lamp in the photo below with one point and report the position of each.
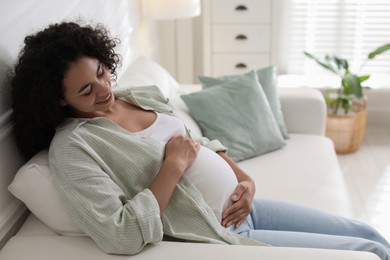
(173, 10)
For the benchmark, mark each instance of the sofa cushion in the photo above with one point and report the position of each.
(65, 248)
(268, 82)
(34, 186)
(305, 172)
(144, 71)
(238, 114)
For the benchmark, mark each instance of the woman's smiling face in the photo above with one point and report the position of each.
(87, 88)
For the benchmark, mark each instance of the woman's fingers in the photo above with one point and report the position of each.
(241, 208)
(181, 150)
(236, 217)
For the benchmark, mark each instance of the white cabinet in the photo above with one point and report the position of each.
(236, 36)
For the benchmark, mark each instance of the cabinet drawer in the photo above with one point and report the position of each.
(230, 64)
(241, 38)
(241, 11)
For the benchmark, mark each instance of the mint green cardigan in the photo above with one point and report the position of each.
(102, 173)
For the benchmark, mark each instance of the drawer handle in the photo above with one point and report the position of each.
(241, 37)
(241, 66)
(241, 8)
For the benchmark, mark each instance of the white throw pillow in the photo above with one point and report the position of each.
(34, 186)
(145, 71)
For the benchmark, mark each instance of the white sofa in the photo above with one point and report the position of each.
(305, 171)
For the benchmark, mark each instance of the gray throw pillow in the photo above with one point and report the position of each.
(238, 114)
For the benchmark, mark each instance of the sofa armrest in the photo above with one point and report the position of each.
(304, 110)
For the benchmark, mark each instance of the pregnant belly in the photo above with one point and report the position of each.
(215, 179)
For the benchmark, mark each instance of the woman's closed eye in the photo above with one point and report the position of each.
(87, 90)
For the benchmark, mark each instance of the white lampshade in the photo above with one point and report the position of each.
(173, 9)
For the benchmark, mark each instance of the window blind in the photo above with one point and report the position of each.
(347, 28)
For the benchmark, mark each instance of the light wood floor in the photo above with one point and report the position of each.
(367, 173)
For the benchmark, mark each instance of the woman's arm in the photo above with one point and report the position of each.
(117, 223)
(242, 197)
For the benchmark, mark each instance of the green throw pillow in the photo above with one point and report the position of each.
(267, 80)
(236, 113)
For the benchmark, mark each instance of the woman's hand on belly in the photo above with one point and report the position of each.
(242, 197)
(242, 204)
(180, 153)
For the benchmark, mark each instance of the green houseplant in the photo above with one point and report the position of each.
(347, 107)
(351, 87)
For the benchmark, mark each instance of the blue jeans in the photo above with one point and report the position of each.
(286, 225)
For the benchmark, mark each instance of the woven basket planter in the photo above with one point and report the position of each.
(348, 130)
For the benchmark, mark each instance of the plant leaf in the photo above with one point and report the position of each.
(346, 103)
(332, 61)
(364, 78)
(341, 63)
(351, 85)
(379, 50)
(323, 62)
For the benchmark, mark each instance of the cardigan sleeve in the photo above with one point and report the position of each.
(117, 223)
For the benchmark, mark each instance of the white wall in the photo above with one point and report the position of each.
(23, 17)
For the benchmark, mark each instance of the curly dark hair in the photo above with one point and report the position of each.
(37, 79)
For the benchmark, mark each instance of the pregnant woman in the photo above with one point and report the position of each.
(127, 169)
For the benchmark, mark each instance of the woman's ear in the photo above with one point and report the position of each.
(62, 103)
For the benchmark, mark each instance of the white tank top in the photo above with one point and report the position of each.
(210, 173)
